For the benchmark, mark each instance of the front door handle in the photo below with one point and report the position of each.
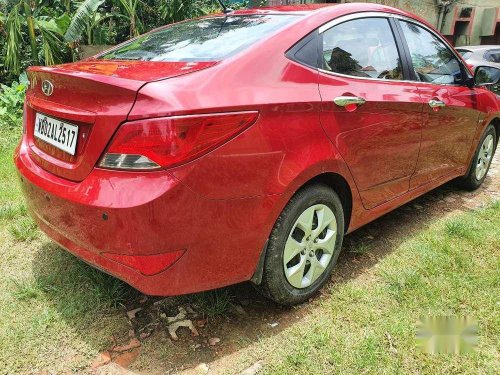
(436, 104)
(344, 101)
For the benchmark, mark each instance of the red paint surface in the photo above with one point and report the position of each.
(220, 207)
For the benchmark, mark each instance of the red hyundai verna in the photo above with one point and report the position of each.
(243, 146)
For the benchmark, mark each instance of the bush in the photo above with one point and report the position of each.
(11, 102)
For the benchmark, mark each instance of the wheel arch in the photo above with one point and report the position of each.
(337, 183)
(496, 124)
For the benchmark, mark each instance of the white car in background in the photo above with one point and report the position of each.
(481, 56)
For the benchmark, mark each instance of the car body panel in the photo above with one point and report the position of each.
(105, 88)
(447, 132)
(380, 140)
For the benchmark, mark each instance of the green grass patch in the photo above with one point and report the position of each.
(23, 229)
(57, 312)
(213, 303)
(9, 211)
(368, 325)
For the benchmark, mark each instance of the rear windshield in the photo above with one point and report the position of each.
(207, 39)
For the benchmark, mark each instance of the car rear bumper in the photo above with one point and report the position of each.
(146, 214)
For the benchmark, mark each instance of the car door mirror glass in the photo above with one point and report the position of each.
(488, 76)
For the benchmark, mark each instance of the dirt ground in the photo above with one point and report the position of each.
(215, 345)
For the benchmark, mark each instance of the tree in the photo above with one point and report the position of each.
(85, 19)
(130, 7)
(25, 18)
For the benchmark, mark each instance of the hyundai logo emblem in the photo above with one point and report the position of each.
(47, 88)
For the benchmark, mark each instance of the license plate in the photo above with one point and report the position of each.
(56, 132)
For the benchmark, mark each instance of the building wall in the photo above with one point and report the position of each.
(479, 28)
(426, 9)
(482, 28)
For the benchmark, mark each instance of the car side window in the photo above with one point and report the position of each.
(362, 47)
(432, 60)
(492, 55)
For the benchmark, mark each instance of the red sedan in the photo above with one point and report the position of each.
(244, 146)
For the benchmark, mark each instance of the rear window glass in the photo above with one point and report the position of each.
(493, 56)
(207, 39)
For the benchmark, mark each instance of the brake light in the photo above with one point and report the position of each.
(170, 141)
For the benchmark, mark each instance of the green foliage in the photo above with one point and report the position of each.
(81, 18)
(178, 10)
(42, 24)
(11, 102)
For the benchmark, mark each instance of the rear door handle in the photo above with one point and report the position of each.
(436, 104)
(343, 101)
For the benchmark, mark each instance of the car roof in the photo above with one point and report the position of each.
(478, 48)
(298, 8)
(327, 10)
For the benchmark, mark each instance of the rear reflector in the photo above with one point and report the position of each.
(171, 141)
(148, 265)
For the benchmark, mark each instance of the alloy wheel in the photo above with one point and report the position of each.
(310, 246)
(484, 157)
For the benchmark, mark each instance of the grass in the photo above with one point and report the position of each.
(213, 303)
(57, 313)
(368, 325)
(23, 228)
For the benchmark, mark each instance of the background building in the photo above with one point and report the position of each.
(463, 22)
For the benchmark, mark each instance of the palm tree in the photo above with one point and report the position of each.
(24, 17)
(130, 7)
(83, 20)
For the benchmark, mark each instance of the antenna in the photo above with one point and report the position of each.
(225, 9)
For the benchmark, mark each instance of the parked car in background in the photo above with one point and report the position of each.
(244, 146)
(481, 55)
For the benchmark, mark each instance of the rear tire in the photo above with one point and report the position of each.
(481, 161)
(308, 235)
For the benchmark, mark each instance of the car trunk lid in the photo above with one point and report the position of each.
(94, 95)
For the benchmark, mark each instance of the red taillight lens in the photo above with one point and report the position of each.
(170, 141)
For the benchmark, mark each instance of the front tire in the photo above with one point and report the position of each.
(304, 246)
(481, 161)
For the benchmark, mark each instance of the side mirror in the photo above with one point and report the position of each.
(488, 76)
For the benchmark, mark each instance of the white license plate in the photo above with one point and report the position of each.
(56, 132)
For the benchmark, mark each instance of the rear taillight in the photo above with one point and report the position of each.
(169, 141)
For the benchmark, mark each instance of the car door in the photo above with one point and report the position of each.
(450, 107)
(368, 110)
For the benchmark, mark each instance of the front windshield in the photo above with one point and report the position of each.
(206, 39)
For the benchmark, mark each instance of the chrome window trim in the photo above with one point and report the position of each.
(366, 78)
(349, 17)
